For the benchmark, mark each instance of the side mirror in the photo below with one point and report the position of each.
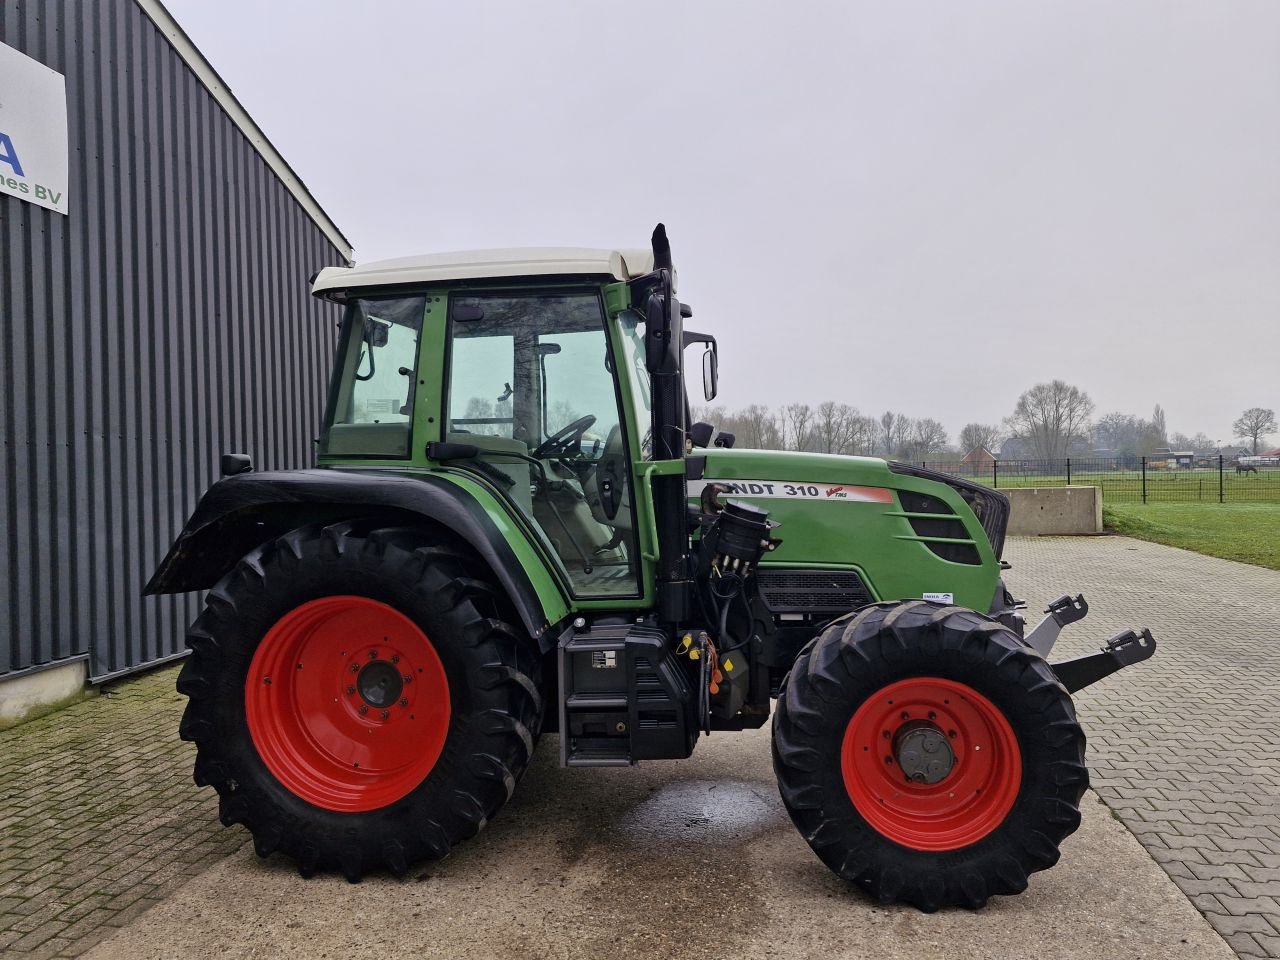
(710, 374)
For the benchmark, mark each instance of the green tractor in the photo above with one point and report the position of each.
(512, 528)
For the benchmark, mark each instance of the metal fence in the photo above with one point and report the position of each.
(1133, 479)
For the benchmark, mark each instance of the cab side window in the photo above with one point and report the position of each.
(531, 385)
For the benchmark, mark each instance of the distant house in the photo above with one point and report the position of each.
(1181, 459)
(978, 456)
(1270, 453)
(1014, 449)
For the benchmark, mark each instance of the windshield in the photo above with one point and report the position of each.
(637, 375)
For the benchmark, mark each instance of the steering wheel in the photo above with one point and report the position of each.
(560, 442)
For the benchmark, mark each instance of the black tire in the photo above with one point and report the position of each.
(493, 675)
(863, 653)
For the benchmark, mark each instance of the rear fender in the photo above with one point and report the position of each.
(242, 512)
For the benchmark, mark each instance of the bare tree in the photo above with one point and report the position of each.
(926, 436)
(1123, 434)
(834, 426)
(1201, 443)
(797, 420)
(895, 428)
(888, 423)
(1159, 433)
(1050, 416)
(976, 435)
(1254, 424)
(760, 429)
(863, 435)
(703, 413)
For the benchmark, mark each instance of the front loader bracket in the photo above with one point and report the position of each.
(1122, 650)
(1064, 610)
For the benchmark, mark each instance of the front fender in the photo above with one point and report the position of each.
(241, 512)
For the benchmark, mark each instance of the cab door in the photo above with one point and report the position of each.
(530, 382)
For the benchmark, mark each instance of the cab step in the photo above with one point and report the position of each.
(623, 697)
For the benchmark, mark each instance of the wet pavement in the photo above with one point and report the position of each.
(691, 858)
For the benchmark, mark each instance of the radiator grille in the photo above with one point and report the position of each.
(812, 591)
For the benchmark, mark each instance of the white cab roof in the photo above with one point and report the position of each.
(488, 265)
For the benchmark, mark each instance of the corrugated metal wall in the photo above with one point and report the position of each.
(162, 323)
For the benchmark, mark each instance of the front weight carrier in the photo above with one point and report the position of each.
(1122, 650)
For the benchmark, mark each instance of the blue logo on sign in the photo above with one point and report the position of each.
(9, 155)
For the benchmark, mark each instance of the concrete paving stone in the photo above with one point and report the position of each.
(1162, 854)
(1244, 858)
(53, 947)
(1212, 830)
(1228, 924)
(1221, 871)
(1252, 888)
(1240, 906)
(1192, 886)
(32, 938)
(1246, 946)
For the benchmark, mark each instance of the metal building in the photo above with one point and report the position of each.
(154, 314)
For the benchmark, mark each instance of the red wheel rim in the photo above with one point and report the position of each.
(347, 703)
(969, 801)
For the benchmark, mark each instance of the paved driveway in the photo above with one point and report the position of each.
(1185, 748)
(677, 859)
(98, 822)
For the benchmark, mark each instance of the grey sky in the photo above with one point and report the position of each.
(919, 206)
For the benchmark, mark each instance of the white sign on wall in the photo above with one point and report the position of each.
(33, 131)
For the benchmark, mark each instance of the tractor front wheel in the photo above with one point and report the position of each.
(358, 699)
(928, 754)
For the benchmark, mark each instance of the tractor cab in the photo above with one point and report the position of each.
(529, 385)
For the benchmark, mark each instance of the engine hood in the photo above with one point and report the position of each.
(909, 532)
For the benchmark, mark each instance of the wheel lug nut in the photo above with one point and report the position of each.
(364, 708)
(350, 690)
(408, 678)
(404, 702)
(905, 715)
(932, 715)
(386, 714)
(355, 668)
(373, 654)
(395, 658)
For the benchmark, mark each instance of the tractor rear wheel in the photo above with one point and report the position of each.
(358, 699)
(927, 754)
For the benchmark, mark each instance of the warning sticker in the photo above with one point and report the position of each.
(795, 490)
(941, 597)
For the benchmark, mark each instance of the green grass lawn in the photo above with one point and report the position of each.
(1249, 532)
